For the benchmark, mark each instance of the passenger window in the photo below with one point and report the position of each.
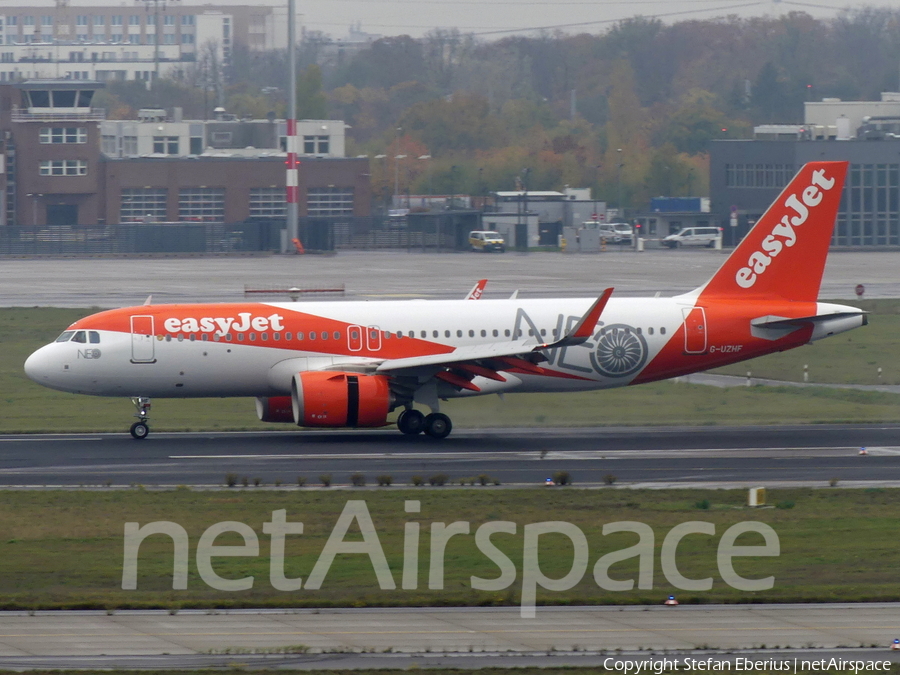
(276, 336)
(543, 331)
(458, 333)
(639, 331)
(262, 336)
(300, 335)
(387, 335)
(80, 336)
(423, 334)
(336, 335)
(324, 334)
(496, 333)
(228, 337)
(240, 337)
(312, 335)
(193, 337)
(650, 330)
(434, 333)
(446, 333)
(66, 336)
(506, 332)
(94, 337)
(662, 331)
(483, 333)
(216, 337)
(204, 337)
(252, 337)
(471, 333)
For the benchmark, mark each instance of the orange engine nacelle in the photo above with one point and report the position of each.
(337, 399)
(275, 409)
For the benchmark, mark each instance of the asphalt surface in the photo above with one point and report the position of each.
(649, 456)
(119, 282)
(454, 637)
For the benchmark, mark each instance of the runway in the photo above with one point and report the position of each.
(643, 457)
(449, 637)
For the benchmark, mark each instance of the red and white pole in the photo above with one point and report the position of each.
(292, 181)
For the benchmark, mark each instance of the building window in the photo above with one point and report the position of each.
(151, 38)
(63, 135)
(204, 204)
(169, 20)
(151, 19)
(169, 39)
(165, 145)
(63, 167)
(267, 202)
(81, 20)
(758, 175)
(143, 205)
(115, 20)
(329, 201)
(187, 20)
(187, 38)
(316, 145)
(134, 39)
(7, 57)
(12, 21)
(99, 20)
(46, 20)
(27, 20)
(109, 145)
(134, 20)
(115, 38)
(129, 146)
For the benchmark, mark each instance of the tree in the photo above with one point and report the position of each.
(311, 102)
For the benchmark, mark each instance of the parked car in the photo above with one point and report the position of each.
(617, 233)
(693, 236)
(486, 240)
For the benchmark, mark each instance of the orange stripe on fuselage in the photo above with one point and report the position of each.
(727, 328)
(210, 319)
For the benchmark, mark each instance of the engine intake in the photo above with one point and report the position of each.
(338, 399)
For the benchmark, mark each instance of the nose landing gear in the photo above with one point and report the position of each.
(140, 429)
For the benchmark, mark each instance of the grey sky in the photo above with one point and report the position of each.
(493, 19)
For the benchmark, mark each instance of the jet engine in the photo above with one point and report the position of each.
(338, 399)
(275, 409)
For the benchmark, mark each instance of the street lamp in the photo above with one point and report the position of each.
(619, 166)
(397, 159)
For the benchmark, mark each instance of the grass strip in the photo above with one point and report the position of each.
(65, 549)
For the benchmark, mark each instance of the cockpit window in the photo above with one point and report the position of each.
(66, 336)
(80, 336)
(94, 337)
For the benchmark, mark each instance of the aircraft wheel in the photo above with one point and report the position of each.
(411, 422)
(438, 425)
(139, 430)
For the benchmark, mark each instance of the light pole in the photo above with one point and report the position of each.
(397, 159)
(619, 166)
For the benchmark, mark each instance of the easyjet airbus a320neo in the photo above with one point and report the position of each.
(350, 364)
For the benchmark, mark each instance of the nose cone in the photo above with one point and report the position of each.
(38, 366)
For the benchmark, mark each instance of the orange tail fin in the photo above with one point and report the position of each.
(784, 254)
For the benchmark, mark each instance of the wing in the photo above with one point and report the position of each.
(463, 364)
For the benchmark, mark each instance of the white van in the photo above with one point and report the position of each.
(617, 233)
(693, 236)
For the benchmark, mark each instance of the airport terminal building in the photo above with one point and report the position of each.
(747, 175)
(70, 176)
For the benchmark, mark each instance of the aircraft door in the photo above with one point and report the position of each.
(694, 330)
(142, 340)
(373, 338)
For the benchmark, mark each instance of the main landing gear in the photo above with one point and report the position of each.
(140, 429)
(436, 425)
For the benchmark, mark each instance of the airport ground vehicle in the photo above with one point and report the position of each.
(351, 363)
(617, 233)
(693, 236)
(486, 240)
